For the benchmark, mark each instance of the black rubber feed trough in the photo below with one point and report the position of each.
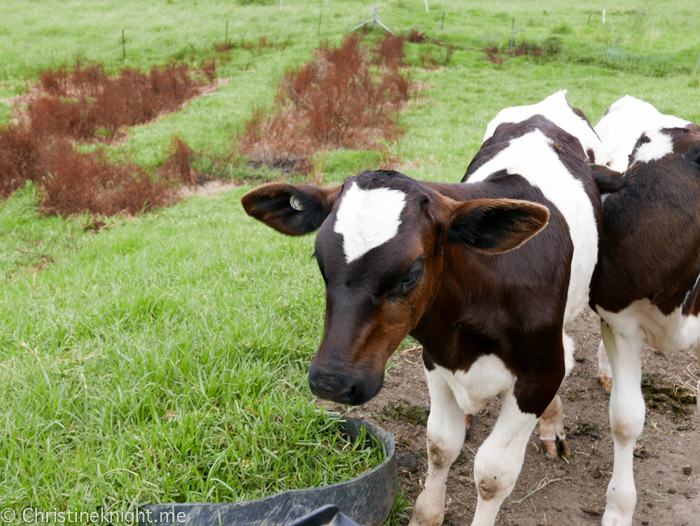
(366, 499)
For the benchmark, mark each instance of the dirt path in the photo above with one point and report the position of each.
(560, 493)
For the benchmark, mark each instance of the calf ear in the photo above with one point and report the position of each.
(294, 210)
(608, 181)
(495, 226)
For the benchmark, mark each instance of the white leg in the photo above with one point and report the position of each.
(446, 427)
(626, 420)
(604, 371)
(552, 429)
(500, 459)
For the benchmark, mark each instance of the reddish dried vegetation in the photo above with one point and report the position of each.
(389, 51)
(87, 105)
(524, 48)
(417, 37)
(262, 43)
(335, 101)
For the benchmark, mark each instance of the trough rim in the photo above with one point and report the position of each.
(351, 426)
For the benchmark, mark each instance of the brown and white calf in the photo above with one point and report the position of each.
(649, 271)
(483, 273)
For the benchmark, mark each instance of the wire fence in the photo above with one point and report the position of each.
(25, 59)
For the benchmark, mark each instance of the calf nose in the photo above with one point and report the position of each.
(336, 387)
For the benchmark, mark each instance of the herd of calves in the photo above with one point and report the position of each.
(485, 273)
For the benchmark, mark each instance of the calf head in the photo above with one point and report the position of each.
(663, 162)
(379, 248)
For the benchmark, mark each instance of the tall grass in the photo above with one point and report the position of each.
(165, 362)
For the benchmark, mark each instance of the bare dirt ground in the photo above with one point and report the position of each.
(556, 492)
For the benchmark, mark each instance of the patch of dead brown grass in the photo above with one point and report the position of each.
(84, 104)
(346, 98)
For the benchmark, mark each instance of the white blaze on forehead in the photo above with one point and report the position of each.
(557, 109)
(368, 218)
(625, 122)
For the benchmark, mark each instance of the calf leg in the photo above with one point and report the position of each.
(552, 434)
(604, 371)
(626, 421)
(500, 459)
(446, 427)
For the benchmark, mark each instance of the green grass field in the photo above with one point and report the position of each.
(165, 357)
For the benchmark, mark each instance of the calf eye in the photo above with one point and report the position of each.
(410, 281)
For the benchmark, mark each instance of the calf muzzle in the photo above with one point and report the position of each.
(344, 388)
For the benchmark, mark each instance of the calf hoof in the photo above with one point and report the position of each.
(556, 448)
(606, 382)
(468, 419)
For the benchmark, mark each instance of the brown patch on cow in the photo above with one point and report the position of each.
(427, 360)
(490, 488)
(438, 457)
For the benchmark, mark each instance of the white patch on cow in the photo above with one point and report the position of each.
(368, 218)
(667, 333)
(659, 145)
(569, 348)
(557, 109)
(624, 123)
(532, 157)
(487, 377)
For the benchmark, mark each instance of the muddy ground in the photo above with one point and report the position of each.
(556, 492)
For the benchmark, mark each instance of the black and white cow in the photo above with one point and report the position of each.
(483, 273)
(649, 271)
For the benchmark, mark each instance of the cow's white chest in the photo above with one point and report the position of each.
(671, 332)
(486, 378)
(368, 218)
